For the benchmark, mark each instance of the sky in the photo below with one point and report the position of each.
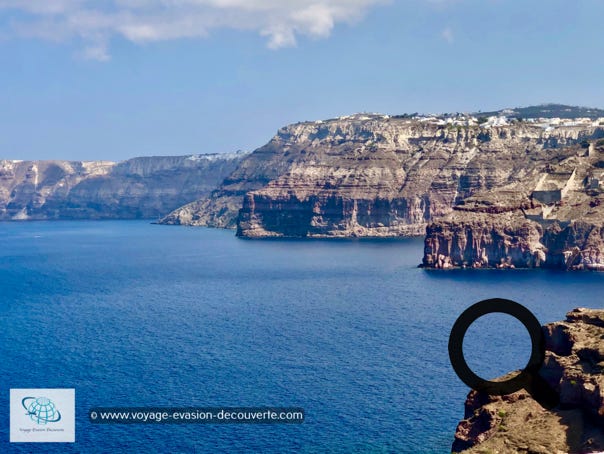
(114, 79)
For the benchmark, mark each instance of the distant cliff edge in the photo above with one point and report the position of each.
(139, 188)
(369, 175)
(518, 188)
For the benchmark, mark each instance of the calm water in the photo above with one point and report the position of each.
(132, 314)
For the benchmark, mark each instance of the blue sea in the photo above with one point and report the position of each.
(133, 314)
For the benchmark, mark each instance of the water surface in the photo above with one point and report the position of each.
(131, 314)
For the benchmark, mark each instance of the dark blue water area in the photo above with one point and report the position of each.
(132, 314)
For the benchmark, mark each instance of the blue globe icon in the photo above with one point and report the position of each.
(41, 410)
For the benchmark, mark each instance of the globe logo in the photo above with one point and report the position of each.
(41, 410)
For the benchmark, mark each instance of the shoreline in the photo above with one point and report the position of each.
(515, 268)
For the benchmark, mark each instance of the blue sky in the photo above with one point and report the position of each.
(114, 79)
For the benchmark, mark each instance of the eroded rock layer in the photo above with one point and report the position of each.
(552, 218)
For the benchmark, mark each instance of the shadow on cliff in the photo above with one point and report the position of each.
(583, 435)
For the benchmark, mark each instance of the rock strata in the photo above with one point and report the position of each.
(574, 368)
(553, 218)
(373, 175)
(139, 188)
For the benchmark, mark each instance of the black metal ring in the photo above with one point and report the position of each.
(470, 315)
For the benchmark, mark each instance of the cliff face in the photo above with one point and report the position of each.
(221, 207)
(371, 175)
(574, 368)
(552, 219)
(137, 188)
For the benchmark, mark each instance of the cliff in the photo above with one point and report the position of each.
(574, 368)
(373, 175)
(554, 218)
(221, 207)
(146, 187)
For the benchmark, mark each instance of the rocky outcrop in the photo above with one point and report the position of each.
(144, 188)
(520, 228)
(574, 368)
(481, 242)
(372, 175)
(513, 242)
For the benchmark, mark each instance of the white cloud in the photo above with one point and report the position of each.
(447, 35)
(97, 52)
(279, 36)
(97, 22)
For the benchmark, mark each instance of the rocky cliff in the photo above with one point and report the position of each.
(553, 218)
(221, 208)
(372, 175)
(146, 187)
(574, 368)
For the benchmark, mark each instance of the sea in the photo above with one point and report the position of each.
(139, 315)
